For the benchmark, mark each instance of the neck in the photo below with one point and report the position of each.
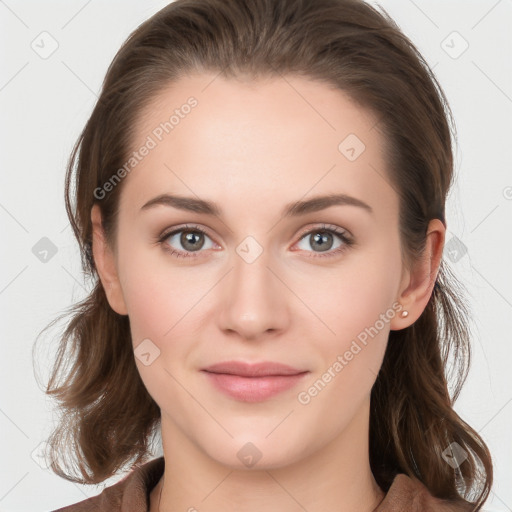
(337, 476)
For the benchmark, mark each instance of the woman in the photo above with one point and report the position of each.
(294, 359)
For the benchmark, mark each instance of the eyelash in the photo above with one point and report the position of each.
(347, 242)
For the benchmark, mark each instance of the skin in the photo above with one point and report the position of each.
(253, 147)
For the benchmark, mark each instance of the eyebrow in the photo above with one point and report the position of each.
(294, 209)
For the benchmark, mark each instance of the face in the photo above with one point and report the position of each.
(314, 289)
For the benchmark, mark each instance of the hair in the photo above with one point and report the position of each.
(108, 416)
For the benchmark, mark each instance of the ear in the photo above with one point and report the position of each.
(418, 283)
(105, 262)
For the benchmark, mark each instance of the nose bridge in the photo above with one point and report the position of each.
(255, 301)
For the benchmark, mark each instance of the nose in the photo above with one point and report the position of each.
(255, 298)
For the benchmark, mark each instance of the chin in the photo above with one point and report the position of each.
(254, 452)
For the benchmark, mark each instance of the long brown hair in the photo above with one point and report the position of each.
(108, 417)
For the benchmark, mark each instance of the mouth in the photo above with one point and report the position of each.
(253, 382)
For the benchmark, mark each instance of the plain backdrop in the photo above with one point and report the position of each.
(54, 56)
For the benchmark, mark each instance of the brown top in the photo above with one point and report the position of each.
(131, 494)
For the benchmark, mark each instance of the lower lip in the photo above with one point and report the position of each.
(253, 389)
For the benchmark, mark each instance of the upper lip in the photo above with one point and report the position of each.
(262, 369)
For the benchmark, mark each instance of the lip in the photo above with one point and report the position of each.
(253, 382)
(262, 369)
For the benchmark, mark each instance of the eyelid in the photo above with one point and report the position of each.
(166, 233)
(342, 233)
(328, 227)
(304, 231)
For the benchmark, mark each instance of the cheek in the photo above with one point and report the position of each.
(358, 311)
(162, 304)
(156, 291)
(355, 305)
(352, 296)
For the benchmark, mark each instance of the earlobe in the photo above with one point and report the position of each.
(418, 284)
(105, 264)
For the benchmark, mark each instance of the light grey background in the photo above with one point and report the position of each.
(45, 101)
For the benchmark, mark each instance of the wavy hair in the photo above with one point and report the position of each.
(108, 417)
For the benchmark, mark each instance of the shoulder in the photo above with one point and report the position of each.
(131, 494)
(408, 494)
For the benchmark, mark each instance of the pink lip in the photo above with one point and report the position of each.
(252, 370)
(253, 382)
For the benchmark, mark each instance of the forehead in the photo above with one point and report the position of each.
(239, 141)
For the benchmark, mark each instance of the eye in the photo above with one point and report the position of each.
(190, 239)
(322, 238)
